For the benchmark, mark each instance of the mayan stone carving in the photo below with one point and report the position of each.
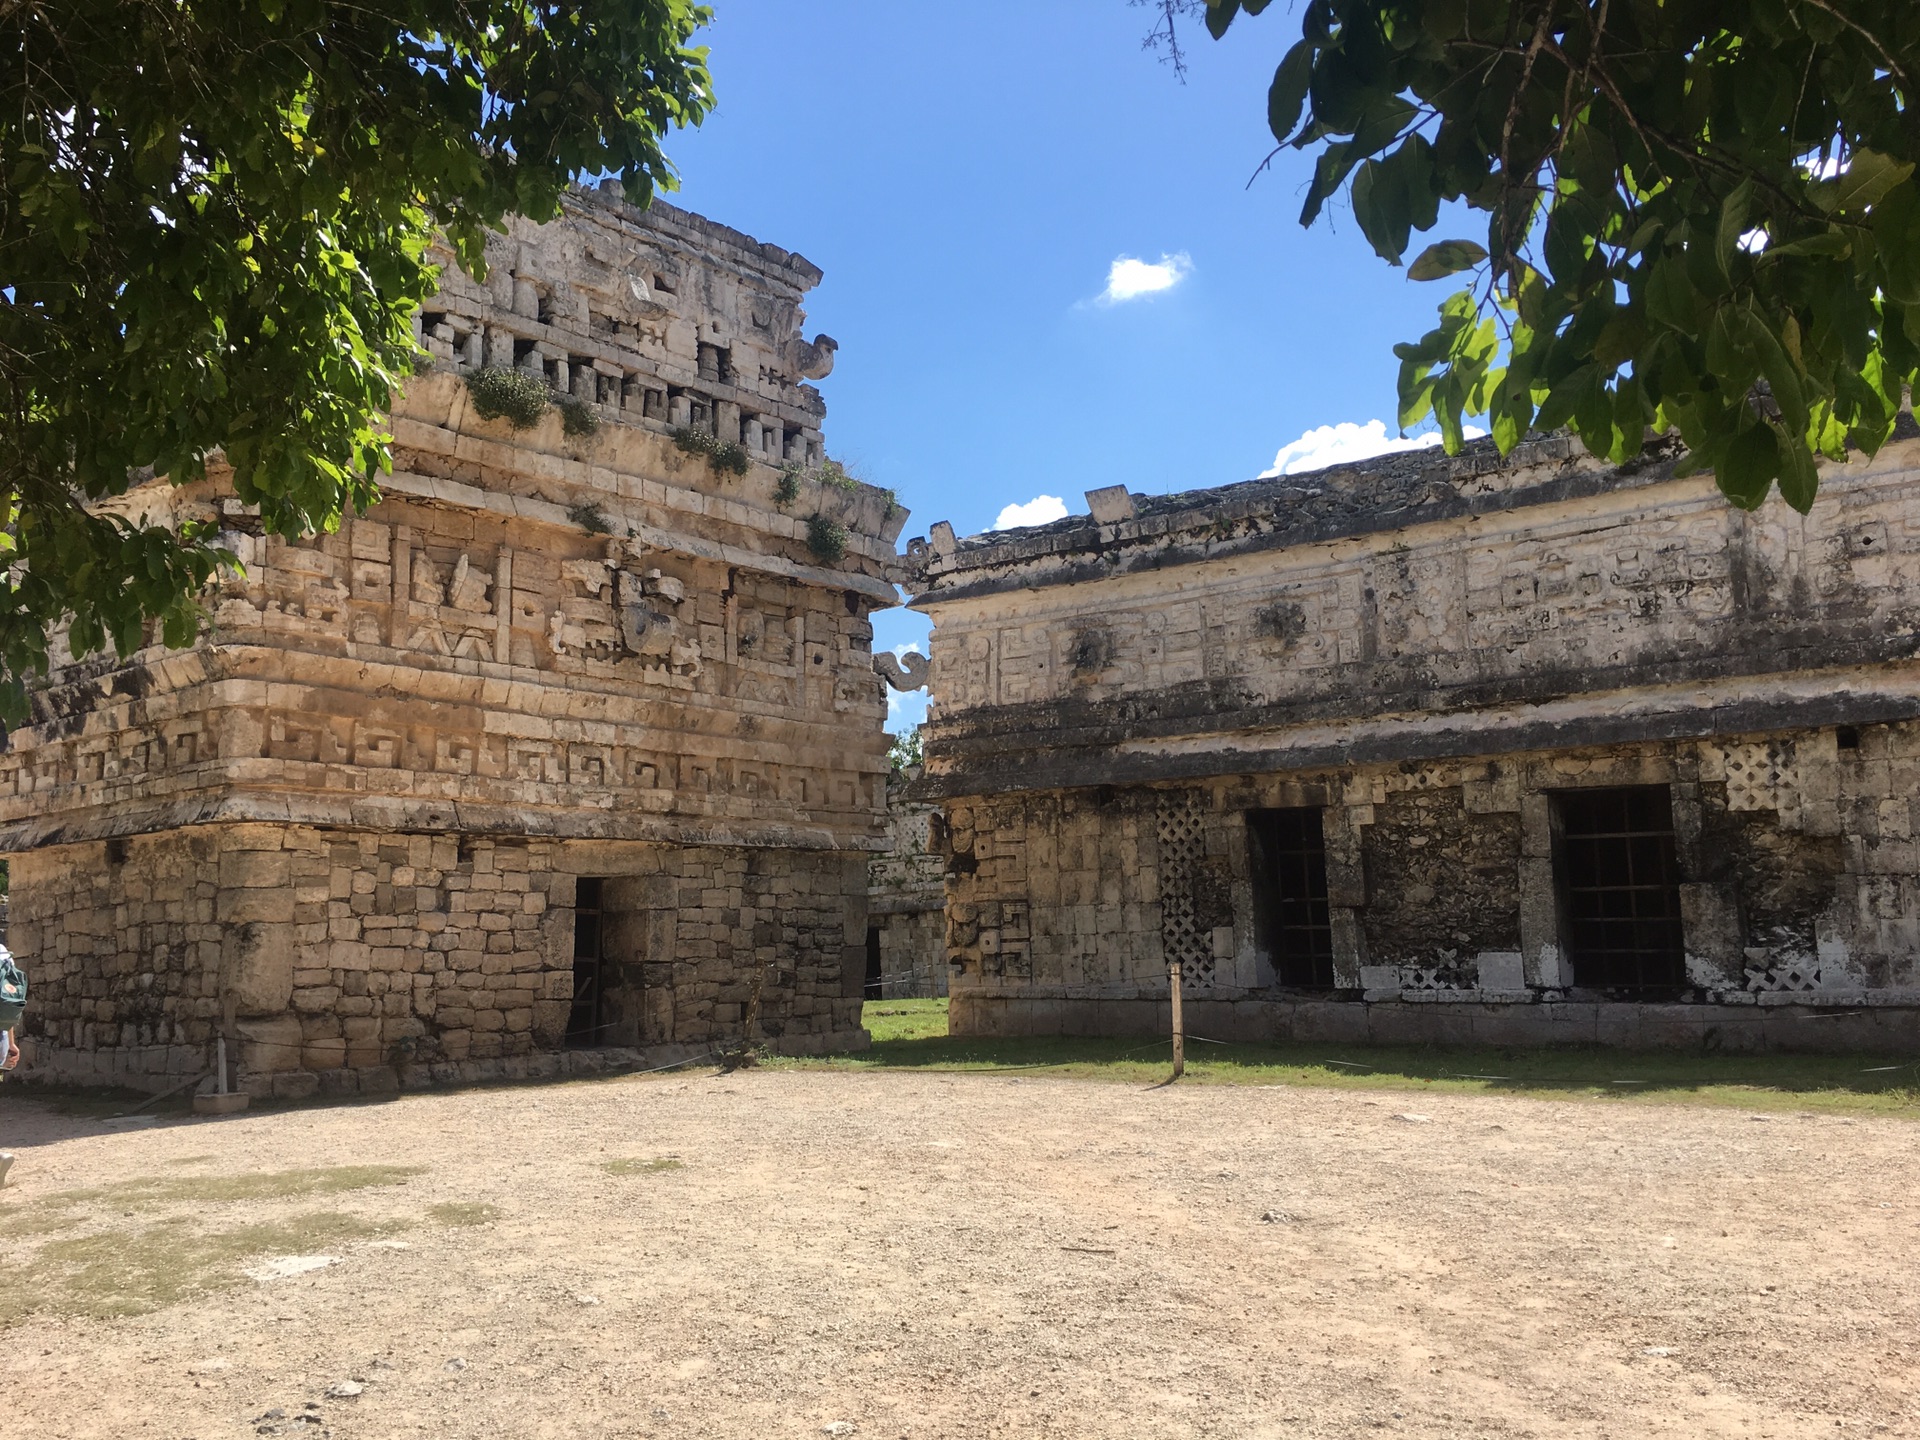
(1483, 750)
(570, 743)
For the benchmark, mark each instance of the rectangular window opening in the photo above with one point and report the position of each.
(586, 1020)
(1292, 924)
(1620, 883)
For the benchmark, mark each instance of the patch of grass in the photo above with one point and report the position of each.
(150, 1190)
(912, 1035)
(24, 1221)
(629, 1166)
(463, 1213)
(894, 1020)
(116, 1273)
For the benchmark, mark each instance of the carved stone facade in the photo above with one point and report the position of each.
(906, 899)
(1335, 744)
(550, 676)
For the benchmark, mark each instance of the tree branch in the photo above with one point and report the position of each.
(1854, 25)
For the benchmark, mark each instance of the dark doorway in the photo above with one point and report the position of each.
(874, 983)
(1291, 922)
(1621, 881)
(586, 1020)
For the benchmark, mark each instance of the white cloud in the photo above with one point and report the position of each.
(1129, 277)
(1346, 442)
(1037, 511)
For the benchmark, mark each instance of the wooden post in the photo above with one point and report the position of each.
(1179, 1031)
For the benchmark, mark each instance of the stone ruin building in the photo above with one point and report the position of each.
(906, 902)
(1429, 750)
(575, 740)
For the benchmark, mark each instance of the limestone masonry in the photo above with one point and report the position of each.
(1419, 749)
(573, 741)
(906, 903)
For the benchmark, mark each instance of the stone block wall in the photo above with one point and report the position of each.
(913, 952)
(1409, 584)
(341, 960)
(697, 933)
(343, 829)
(1800, 884)
(906, 900)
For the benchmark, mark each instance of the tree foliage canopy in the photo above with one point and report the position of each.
(214, 221)
(1701, 214)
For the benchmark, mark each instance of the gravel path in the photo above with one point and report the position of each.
(945, 1255)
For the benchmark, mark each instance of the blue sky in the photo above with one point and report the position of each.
(968, 175)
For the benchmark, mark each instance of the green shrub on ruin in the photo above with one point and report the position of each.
(591, 518)
(827, 539)
(510, 395)
(577, 417)
(726, 457)
(788, 490)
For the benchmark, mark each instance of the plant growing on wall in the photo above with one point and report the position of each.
(591, 518)
(511, 395)
(827, 539)
(830, 473)
(1700, 214)
(788, 490)
(577, 418)
(726, 457)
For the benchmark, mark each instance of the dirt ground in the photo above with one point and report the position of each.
(791, 1253)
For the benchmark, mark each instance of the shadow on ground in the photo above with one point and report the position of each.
(912, 1034)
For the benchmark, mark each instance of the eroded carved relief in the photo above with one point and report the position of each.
(622, 612)
(908, 671)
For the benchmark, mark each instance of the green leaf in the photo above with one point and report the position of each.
(1445, 257)
(1288, 92)
(1733, 224)
(1748, 465)
(1828, 244)
(1373, 208)
(1565, 398)
(1868, 176)
(1393, 195)
(1896, 226)
(1799, 477)
(1730, 355)
(1328, 174)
